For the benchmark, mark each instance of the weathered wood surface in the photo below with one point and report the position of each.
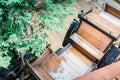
(65, 66)
(109, 72)
(37, 70)
(112, 10)
(111, 14)
(58, 69)
(110, 18)
(94, 36)
(104, 24)
(76, 60)
(86, 48)
(42, 57)
(80, 56)
(42, 74)
(68, 66)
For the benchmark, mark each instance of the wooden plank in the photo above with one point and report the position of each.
(86, 48)
(109, 72)
(80, 56)
(51, 63)
(42, 57)
(104, 24)
(76, 61)
(112, 10)
(58, 69)
(64, 72)
(38, 72)
(110, 18)
(94, 36)
(68, 66)
(42, 73)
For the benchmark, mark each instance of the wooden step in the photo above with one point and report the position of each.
(104, 24)
(94, 36)
(86, 48)
(76, 60)
(112, 10)
(56, 67)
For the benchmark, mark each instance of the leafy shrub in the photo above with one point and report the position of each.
(16, 19)
(54, 17)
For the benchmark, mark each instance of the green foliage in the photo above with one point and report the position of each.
(71, 1)
(16, 18)
(54, 17)
(4, 61)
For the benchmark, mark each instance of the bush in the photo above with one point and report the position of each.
(15, 19)
(54, 17)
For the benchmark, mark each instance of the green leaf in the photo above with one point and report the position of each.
(1, 11)
(4, 61)
(13, 38)
(5, 44)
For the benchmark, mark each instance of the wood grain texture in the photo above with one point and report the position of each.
(113, 11)
(80, 56)
(42, 57)
(68, 66)
(86, 48)
(76, 60)
(104, 24)
(94, 36)
(38, 72)
(106, 73)
(110, 18)
(51, 63)
(65, 66)
(42, 73)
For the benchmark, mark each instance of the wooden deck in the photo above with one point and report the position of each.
(86, 48)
